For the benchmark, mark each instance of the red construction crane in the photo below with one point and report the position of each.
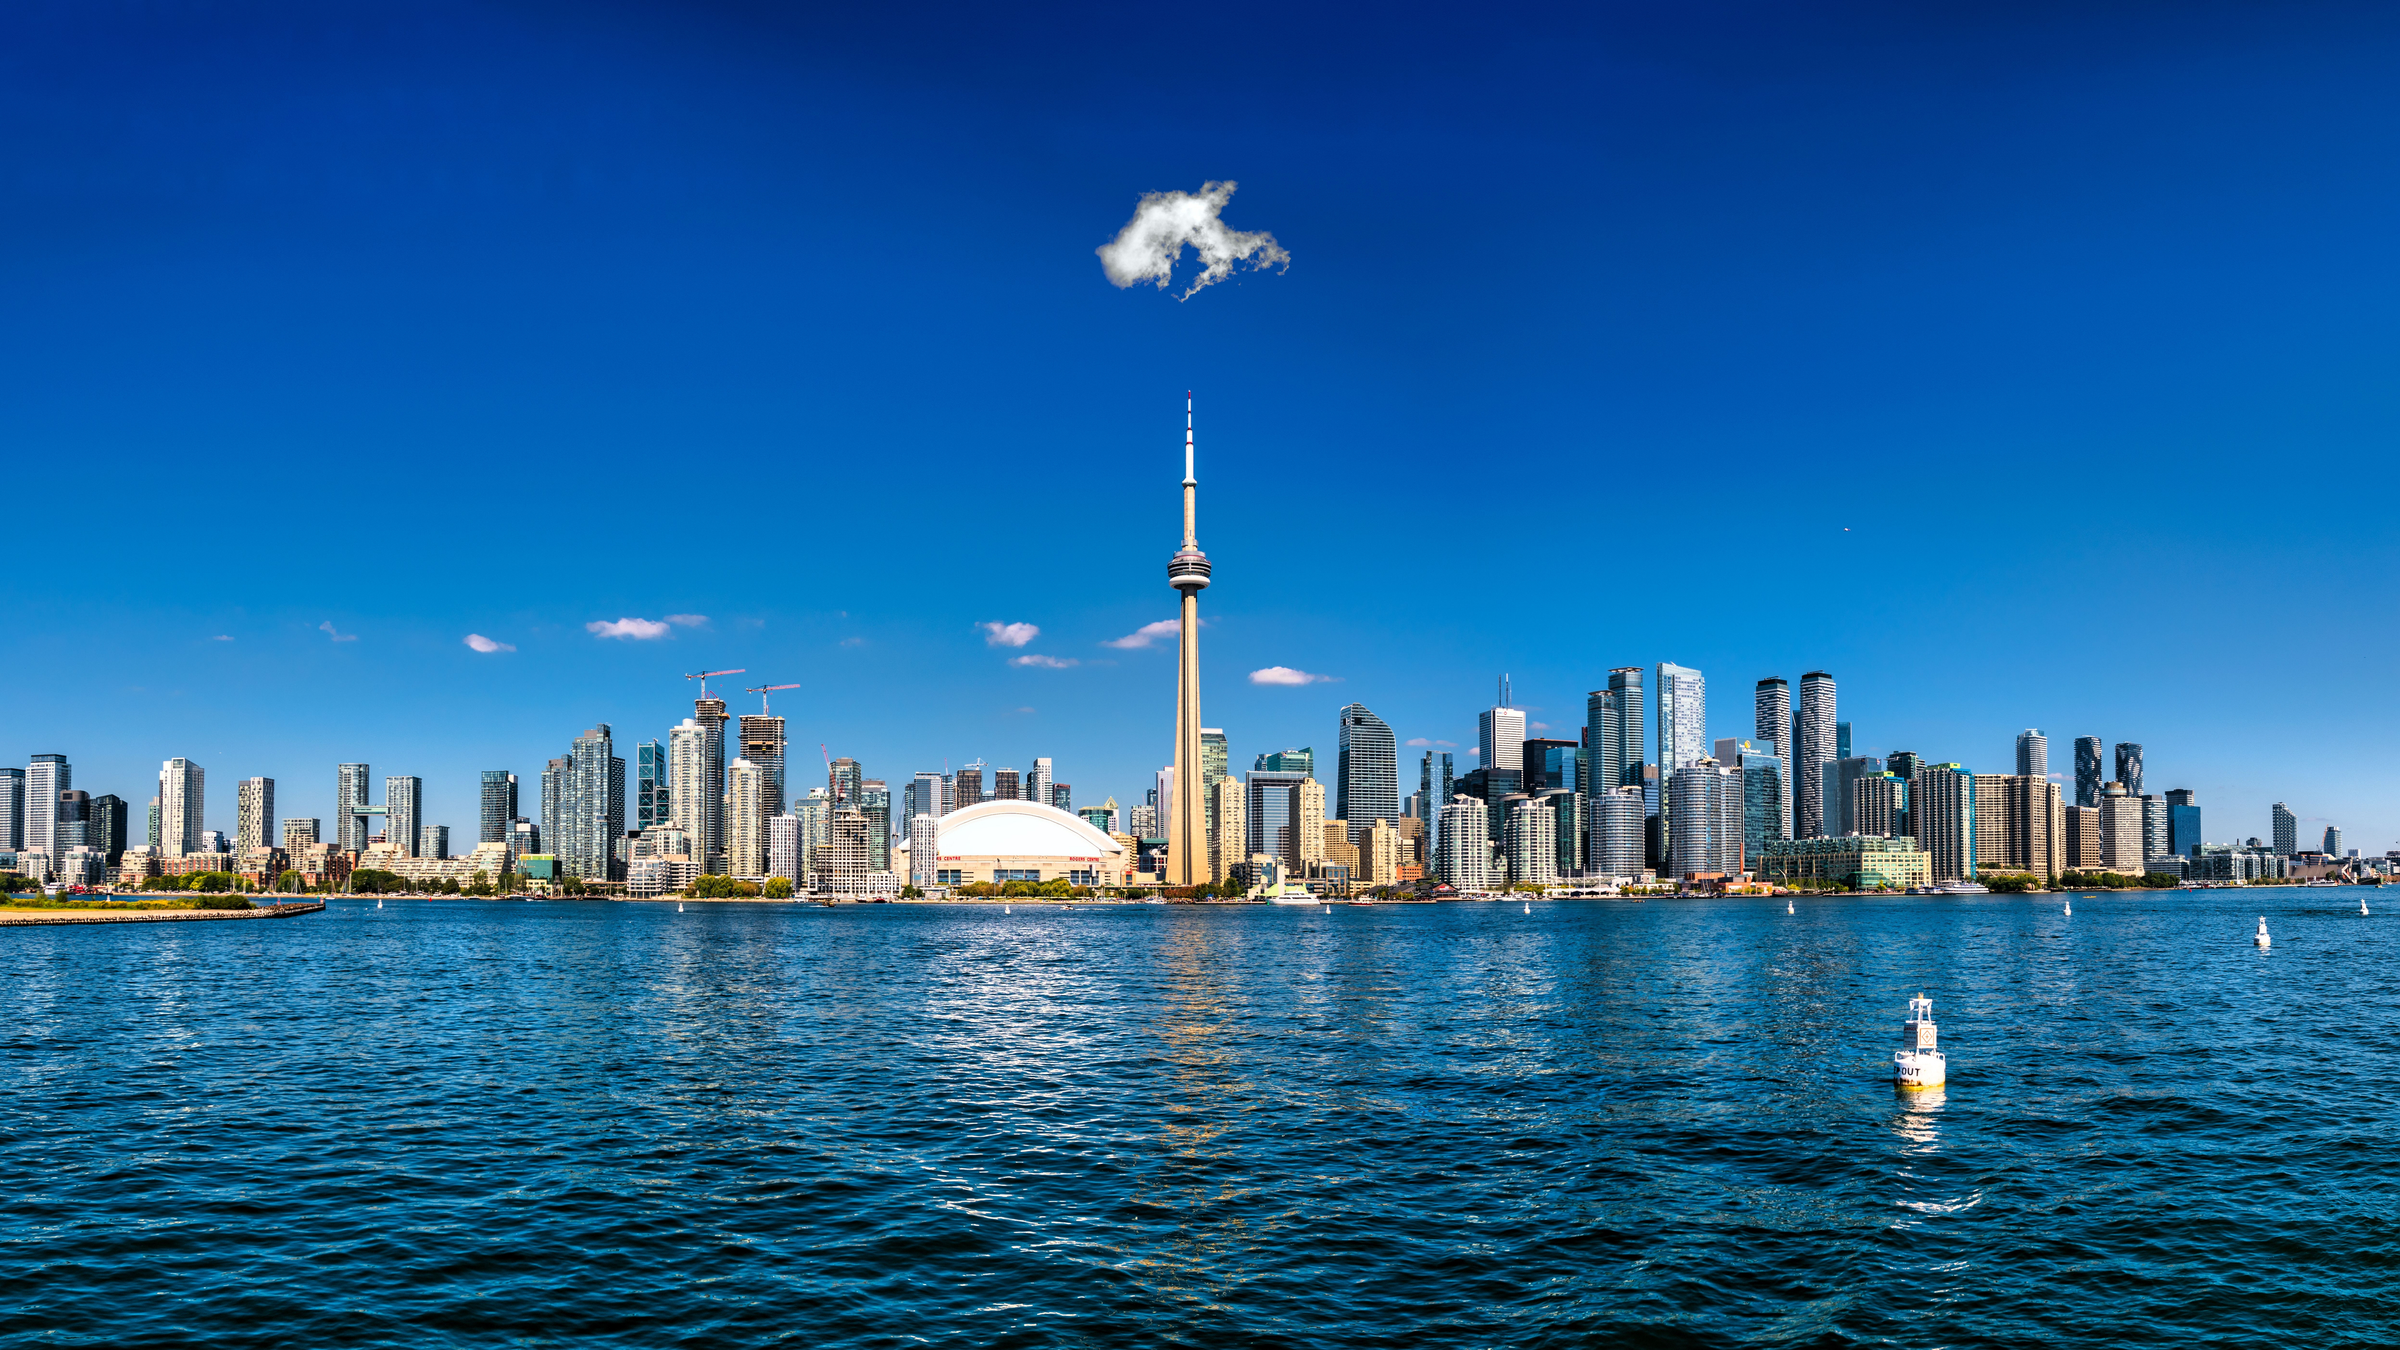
(762, 691)
(704, 676)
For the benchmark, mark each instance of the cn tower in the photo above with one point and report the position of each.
(1187, 572)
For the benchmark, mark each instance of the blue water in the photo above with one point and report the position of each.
(477, 1123)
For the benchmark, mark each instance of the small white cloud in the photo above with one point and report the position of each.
(627, 628)
(1045, 662)
(1147, 634)
(483, 644)
(1538, 726)
(222, 637)
(1287, 675)
(1151, 243)
(1008, 634)
(338, 635)
(1474, 749)
(854, 642)
(1024, 710)
(687, 620)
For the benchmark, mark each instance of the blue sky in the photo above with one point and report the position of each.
(2021, 365)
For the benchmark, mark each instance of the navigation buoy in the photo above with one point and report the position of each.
(1787, 908)
(1529, 907)
(2070, 909)
(679, 909)
(2262, 939)
(1917, 1064)
(379, 904)
(2362, 905)
(1006, 910)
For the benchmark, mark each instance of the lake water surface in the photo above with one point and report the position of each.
(479, 1123)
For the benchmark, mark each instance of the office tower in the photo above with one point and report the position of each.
(552, 835)
(74, 820)
(1834, 792)
(1773, 727)
(1367, 771)
(1705, 819)
(1302, 760)
(1309, 808)
(1062, 797)
(2083, 838)
(2154, 827)
(1817, 748)
(1005, 786)
(593, 808)
(1941, 808)
(1549, 764)
(1565, 806)
(708, 714)
(1271, 813)
(157, 831)
(2183, 823)
(404, 811)
(1379, 854)
(12, 809)
(498, 806)
(1434, 785)
(787, 858)
(1101, 818)
(2033, 754)
(2333, 841)
(108, 827)
(1463, 856)
(1766, 797)
(921, 796)
(2088, 773)
(1879, 805)
(2287, 830)
(687, 781)
(1529, 842)
(746, 819)
(1623, 732)
(1841, 740)
(525, 839)
(967, 788)
(1187, 572)
(924, 849)
(1618, 831)
(1501, 733)
(350, 801)
(254, 813)
(2129, 767)
(299, 832)
(1682, 717)
(45, 778)
(433, 841)
(762, 744)
(2120, 829)
(1037, 785)
(183, 801)
(842, 864)
(1142, 822)
(653, 786)
(1903, 765)
(875, 803)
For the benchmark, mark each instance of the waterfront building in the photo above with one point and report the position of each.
(1549, 764)
(2083, 838)
(1338, 850)
(788, 858)
(1230, 846)
(157, 831)
(687, 769)
(2089, 773)
(183, 805)
(2120, 829)
(1530, 842)
(1501, 734)
(1434, 787)
(553, 832)
(1215, 763)
(1856, 862)
(1300, 761)
(433, 841)
(1617, 833)
(967, 787)
(2156, 842)
(1682, 696)
(1062, 796)
(1188, 573)
(2333, 842)
(12, 810)
(653, 786)
(594, 807)
(923, 847)
(524, 838)
(46, 777)
(1104, 818)
(1815, 748)
(2129, 767)
(2017, 824)
(1772, 724)
(2183, 822)
(1879, 805)
(1766, 794)
(875, 803)
(1903, 764)
(74, 820)
(1309, 801)
(761, 738)
(1834, 797)
(1941, 807)
(841, 866)
(1705, 825)
(709, 715)
(404, 811)
(350, 802)
(1367, 786)
(497, 806)
(2287, 831)
(746, 819)
(1005, 840)
(299, 832)
(1566, 807)
(1462, 851)
(254, 814)
(922, 796)
(2033, 754)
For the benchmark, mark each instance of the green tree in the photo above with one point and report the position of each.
(780, 888)
(291, 883)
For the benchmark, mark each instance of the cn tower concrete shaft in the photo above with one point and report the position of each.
(1187, 572)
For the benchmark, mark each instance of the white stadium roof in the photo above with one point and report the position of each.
(1019, 829)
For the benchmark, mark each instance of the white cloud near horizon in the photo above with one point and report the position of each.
(1044, 662)
(483, 644)
(338, 635)
(627, 628)
(222, 637)
(1147, 634)
(1151, 243)
(997, 634)
(1287, 675)
(687, 620)
(1420, 743)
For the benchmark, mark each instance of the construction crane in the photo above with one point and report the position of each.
(762, 691)
(706, 675)
(830, 785)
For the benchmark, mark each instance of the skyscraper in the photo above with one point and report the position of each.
(967, 788)
(1368, 787)
(1214, 762)
(2129, 767)
(1618, 833)
(46, 777)
(687, 782)
(1433, 789)
(110, 819)
(498, 807)
(1773, 725)
(874, 801)
(12, 809)
(1302, 760)
(2089, 776)
(1549, 764)
(254, 814)
(762, 745)
(2033, 754)
(1817, 748)
(350, 799)
(1682, 717)
(404, 811)
(2333, 841)
(2287, 831)
(553, 833)
(653, 792)
(1624, 737)
(301, 831)
(1271, 813)
(746, 823)
(1836, 794)
(1530, 841)
(2183, 822)
(1766, 798)
(1037, 787)
(1188, 573)
(709, 715)
(1705, 811)
(183, 806)
(1941, 808)
(1005, 786)
(1463, 855)
(1500, 732)
(922, 797)
(594, 807)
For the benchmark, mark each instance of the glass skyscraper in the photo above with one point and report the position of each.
(1817, 744)
(2089, 777)
(2183, 823)
(2033, 754)
(653, 798)
(594, 808)
(499, 806)
(349, 800)
(2129, 767)
(1368, 786)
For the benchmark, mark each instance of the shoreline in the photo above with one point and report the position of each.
(35, 918)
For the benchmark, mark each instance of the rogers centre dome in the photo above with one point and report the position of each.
(1021, 841)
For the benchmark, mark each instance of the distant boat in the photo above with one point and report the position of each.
(1292, 900)
(1962, 888)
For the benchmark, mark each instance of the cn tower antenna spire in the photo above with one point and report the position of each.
(1187, 437)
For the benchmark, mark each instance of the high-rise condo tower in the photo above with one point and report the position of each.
(1187, 572)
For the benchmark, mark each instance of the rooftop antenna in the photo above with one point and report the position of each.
(705, 675)
(762, 691)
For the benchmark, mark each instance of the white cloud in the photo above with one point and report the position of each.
(338, 635)
(854, 642)
(1287, 675)
(1045, 662)
(1151, 243)
(222, 637)
(687, 620)
(483, 644)
(1147, 634)
(1008, 634)
(1419, 742)
(626, 628)
(1538, 726)
(1474, 749)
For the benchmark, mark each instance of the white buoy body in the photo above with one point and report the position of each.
(2070, 909)
(1917, 1064)
(2262, 939)
(2362, 904)
(1787, 908)
(1529, 907)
